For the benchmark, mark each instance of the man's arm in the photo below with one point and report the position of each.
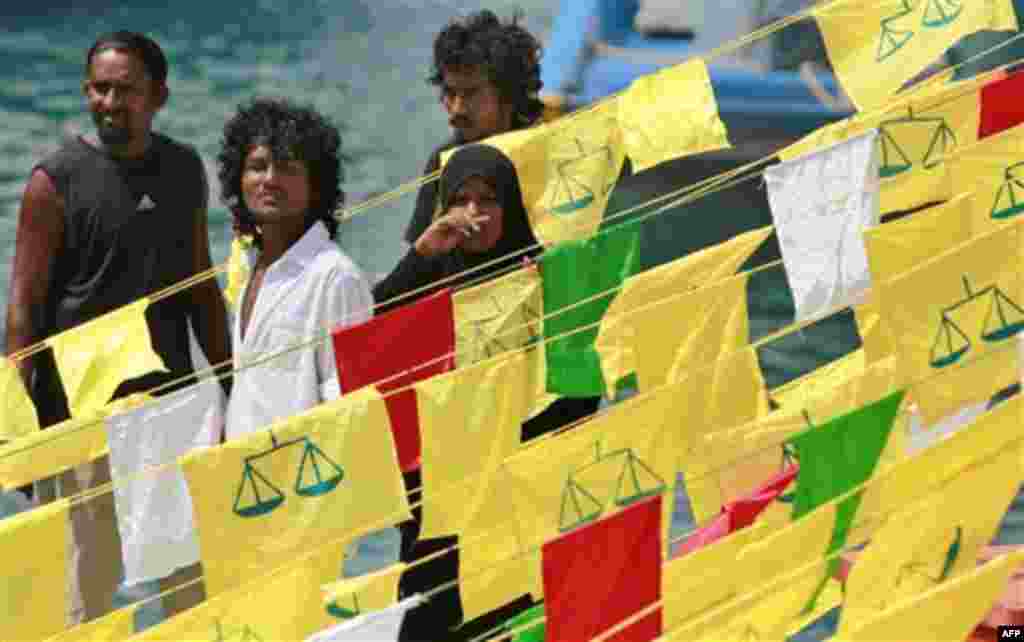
(426, 201)
(39, 238)
(208, 313)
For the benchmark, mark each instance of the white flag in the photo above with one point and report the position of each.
(379, 626)
(822, 203)
(154, 510)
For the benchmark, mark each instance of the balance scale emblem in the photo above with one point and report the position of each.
(937, 14)
(1004, 319)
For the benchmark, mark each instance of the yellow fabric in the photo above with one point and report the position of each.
(95, 357)
(876, 47)
(705, 578)
(501, 315)
(916, 133)
(469, 423)
(670, 114)
(991, 169)
(366, 593)
(875, 341)
(591, 454)
(283, 605)
(748, 454)
(717, 397)
(900, 485)
(494, 565)
(946, 613)
(908, 553)
(113, 627)
(566, 170)
(894, 248)
(353, 432)
(60, 447)
(818, 382)
(666, 287)
(238, 270)
(673, 337)
(34, 546)
(18, 415)
(913, 305)
(768, 583)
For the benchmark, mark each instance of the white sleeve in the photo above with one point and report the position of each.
(347, 301)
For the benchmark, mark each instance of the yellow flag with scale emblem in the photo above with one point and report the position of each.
(876, 47)
(993, 168)
(566, 168)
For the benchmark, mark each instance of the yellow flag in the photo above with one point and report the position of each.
(938, 538)
(469, 422)
(285, 604)
(876, 47)
(365, 593)
(326, 474)
(916, 136)
(926, 471)
(993, 169)
(566, 170)
(35, 547)
(95, 357)
(662, 291)
(875, 340)
(767, 566)
(669, 114)
(113, 627)
(717, 397)
(18, 417)
(700, 580)
(573, 478)
(894, 248)
(501, 315)
(961, 305)
(237, 269)
(946, 613)
(66, 445)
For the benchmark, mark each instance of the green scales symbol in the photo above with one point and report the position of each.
(937, 14)
(583, 507)
(272, 497)
(951, 342)
(245, 634)
(1006, 203)
(571, 193)
(895, 159)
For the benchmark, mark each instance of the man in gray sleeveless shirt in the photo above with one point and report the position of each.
(107, 219)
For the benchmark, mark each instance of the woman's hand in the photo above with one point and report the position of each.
(447, 232)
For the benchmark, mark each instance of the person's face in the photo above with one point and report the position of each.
(475, 108)
(275, 191)
(122, 97)
(477, 197)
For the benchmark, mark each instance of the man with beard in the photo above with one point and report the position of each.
(489, 75)
(107, 219)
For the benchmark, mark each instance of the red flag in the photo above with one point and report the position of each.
(603, 573)
(1001, 104)
(405, 345)
(740, 513)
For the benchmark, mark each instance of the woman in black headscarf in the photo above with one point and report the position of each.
(482, 231)
(483, 223)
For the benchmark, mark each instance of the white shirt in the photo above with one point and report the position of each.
(311, 289)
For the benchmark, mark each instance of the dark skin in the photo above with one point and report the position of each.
(122, 96)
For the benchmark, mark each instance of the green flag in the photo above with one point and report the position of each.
(839, 456)
(574, 271)
(533, 634)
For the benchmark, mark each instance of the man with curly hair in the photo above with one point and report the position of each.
(110, 217)
(488, 72)
(280, 173)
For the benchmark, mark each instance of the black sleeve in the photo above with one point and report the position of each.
(412, 272)
(426, 201)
